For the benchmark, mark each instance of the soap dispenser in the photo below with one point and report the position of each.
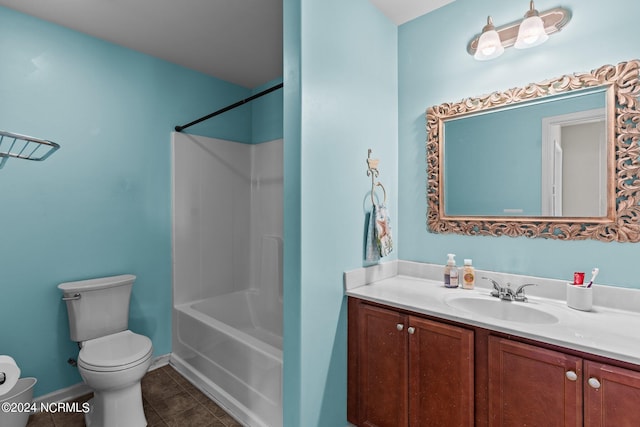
(451, 272)
(468, 275)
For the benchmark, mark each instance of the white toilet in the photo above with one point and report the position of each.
(112, 359)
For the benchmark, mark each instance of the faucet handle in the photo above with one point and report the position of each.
(496, 286)
(519, 295)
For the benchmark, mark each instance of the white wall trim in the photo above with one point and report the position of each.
(159, 362)
(64, 394)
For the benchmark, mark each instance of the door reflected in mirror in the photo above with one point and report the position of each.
(574, 164)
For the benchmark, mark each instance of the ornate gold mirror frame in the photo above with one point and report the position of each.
(623, 220)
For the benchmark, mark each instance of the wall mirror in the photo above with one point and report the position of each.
(556, 159)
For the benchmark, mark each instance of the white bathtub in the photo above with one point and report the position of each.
(231, 347)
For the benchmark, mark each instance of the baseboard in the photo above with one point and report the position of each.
(64, 394)
(80, 389)
(159, 362)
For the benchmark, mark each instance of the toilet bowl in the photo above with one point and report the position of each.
(112, 359)
(113, 367)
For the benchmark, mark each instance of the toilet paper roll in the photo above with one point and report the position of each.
(11, 373)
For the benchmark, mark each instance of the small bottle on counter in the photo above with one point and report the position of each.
(468, 275)
(454, 278)
(451, 272)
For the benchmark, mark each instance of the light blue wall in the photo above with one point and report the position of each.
(292, 215)
(101, 204)
(434, 67)
(341, 99)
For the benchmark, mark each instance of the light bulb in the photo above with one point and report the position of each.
(531, 32)
(489, 44)
(488, 50)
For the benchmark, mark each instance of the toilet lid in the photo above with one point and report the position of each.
(116, 350)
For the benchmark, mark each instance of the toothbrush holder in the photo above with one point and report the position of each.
(579, 297)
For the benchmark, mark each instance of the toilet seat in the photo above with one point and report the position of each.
(115, 352)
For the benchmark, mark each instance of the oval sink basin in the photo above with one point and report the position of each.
(503, 310)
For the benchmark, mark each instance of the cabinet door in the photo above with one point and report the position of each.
(440, 374)
(611, 396)
(382, 358)
(531, 386)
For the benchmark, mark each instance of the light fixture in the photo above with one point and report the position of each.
(532, 30)
(489, 44)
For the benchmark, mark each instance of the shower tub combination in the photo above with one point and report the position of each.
(236, 358)
(227, 284)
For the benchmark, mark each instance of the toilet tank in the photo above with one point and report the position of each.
(97, 307)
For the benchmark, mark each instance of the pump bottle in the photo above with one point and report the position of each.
(451, 280)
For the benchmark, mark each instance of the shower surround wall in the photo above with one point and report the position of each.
(227, 272)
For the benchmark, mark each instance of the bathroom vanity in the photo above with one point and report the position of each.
(417, 356)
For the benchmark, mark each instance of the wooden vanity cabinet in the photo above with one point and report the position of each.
(611, 396)
(382, 378)
(406, 370)
(529, 386)
(441, 383)
(532, 386)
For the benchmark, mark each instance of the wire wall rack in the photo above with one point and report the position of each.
(14, 145)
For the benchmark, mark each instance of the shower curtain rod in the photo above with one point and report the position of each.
(229, 107)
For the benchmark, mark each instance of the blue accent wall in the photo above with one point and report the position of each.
(434, 67)
(101, 204)
(340, 80)
(292, 215)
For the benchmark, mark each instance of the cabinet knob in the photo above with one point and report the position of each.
(399, 326)
(411, 330)
(594, 383)
(571, 375)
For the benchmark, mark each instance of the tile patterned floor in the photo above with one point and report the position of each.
(169, 400)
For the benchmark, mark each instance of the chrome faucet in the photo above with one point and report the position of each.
(506, 293)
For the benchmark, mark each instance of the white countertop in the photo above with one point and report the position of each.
(605, 330)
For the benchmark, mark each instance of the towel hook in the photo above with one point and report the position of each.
(372, 171)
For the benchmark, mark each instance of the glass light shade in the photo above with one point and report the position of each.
(489, 46)
(531, 33)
